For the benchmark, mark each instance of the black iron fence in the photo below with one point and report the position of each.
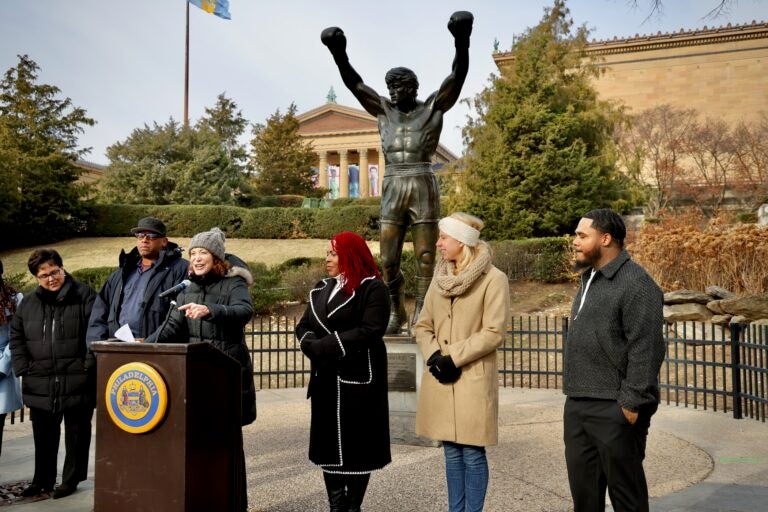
(707, 366)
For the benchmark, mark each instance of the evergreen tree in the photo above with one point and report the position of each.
(281, 160)
(38, 147)
(173, 164)
(539, 152)
(228, 124)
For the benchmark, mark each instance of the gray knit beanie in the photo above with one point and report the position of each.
(212, 241)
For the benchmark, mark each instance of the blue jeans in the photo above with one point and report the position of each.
(466, 472)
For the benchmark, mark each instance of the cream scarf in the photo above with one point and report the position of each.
(449, 285)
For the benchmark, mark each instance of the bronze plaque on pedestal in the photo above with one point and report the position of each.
(401, 372)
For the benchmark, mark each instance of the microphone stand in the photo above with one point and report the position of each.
(167, 317)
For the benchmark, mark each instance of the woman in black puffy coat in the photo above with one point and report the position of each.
(48, 351)
(215, 309)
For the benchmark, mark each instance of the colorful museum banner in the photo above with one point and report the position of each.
(218, 7)
(333, 181)
(354, 180)
(373, 180)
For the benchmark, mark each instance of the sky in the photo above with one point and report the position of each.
(123, 61)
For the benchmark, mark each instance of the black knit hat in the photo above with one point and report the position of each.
(151, 224)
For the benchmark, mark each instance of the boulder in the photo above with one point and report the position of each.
(752, 307)
(683, 296)
(721, 319)
(715, 307)
(762, 215)
(681, 312)
(760, 321)
(738, 319)
(698, 333)
(719, 292)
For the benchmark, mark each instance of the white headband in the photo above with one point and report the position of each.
(464, 233)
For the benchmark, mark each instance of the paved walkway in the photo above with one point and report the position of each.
(697, 461)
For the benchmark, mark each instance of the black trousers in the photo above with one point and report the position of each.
(346, 492)
(603, 450)
(46, 432)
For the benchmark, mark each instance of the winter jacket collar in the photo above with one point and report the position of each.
(609, 270)
(51, 298)
(130, 260)
(319, 296)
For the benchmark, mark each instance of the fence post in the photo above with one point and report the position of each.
(736, 369)
(565, 330)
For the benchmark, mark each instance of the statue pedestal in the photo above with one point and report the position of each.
(405, 367)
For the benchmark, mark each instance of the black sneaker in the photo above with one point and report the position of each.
(34, 490)
(63, 491)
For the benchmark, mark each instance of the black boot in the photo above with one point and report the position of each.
(356, 486)
(337, 495)
(422, 284)
(397, 314)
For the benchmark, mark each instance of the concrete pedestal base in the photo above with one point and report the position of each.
(402, 404)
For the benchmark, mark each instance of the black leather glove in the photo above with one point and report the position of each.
(307, 348)
(319, 348)
(444, 370)
(433, 358)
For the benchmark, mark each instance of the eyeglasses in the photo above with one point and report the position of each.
(150, 236)
(50, 275)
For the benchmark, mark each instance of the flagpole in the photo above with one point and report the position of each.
(186, 71)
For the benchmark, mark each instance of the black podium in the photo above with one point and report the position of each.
(190, 458)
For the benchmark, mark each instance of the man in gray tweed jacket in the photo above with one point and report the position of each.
(613, 354)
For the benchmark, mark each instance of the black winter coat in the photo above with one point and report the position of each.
(170, 269)
(48, 347)
(615, 345)
(231, 309)
(349, 430)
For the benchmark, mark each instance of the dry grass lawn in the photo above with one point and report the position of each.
(80, 253)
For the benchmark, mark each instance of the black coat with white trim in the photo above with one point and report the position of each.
(348, 387)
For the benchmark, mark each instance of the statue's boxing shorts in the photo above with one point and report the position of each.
(409, 195)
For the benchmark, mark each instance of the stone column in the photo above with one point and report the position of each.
(343, 173)
(323, 172)
(364, 185)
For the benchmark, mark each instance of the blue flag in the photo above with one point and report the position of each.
(218, 7)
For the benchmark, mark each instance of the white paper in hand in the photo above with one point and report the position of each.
(124, 333)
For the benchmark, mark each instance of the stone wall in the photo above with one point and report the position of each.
(715, 305)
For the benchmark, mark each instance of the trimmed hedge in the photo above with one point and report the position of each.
(238, 222)
(356, 201)
(94, 277)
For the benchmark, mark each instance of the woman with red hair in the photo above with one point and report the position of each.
(341, 333)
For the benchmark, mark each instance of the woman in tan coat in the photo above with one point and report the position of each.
(462, 324)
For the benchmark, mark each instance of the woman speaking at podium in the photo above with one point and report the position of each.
(341, 333)
(215, 309)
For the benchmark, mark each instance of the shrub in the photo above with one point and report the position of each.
(363, 220)
(238, 222)
(540, 259)
(298, 280)
(94, 277)
(22, 282)
(265, 291)
(356, 201)
(693, 257)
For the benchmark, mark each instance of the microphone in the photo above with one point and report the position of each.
(175, 289)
